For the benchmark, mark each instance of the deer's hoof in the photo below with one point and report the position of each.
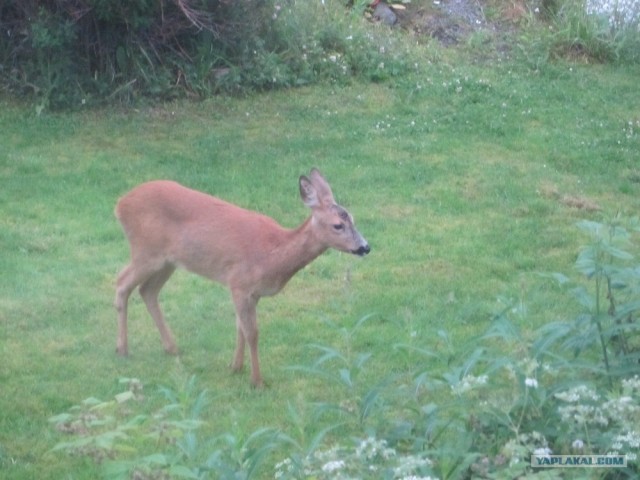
(172, 350)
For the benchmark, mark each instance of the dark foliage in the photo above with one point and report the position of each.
(69, 52)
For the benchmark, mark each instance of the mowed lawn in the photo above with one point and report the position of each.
(466, 180)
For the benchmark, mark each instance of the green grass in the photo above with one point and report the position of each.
(456, 177)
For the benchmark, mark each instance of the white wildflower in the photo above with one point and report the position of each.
(630, 385)
(469, 382)
(575, 394)
(333, 465)
(528, 365)
(415, 477)
(285, 466)
(409, 464)
(531, 382)
(631, 439)
(370, 448)
(622, 408)
(534, 436)
(542, 451)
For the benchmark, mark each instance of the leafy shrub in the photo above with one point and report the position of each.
(483, 408)
(163, 444)
(104, 430)
(89, 51)
(366, 458)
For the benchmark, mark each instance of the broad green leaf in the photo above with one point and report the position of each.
(124, 396)
(182, 471)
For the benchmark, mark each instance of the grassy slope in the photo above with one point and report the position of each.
(456, 178)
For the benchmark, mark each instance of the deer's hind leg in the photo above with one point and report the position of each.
(131, 277)
(149, 291)
(127, 281)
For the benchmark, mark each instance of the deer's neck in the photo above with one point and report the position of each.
(296, 249)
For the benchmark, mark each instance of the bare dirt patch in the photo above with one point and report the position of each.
(451, 22)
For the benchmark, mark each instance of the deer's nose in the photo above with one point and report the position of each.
(363, 250)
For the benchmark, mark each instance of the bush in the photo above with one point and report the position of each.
(67, 54)
(483, 408)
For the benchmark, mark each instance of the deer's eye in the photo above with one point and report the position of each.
(338, 226)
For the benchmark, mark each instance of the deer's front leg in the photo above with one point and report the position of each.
(238, 357)
(247, 331)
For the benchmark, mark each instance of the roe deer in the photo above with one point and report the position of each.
(170, 226)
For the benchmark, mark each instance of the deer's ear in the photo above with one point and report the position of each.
(308, 193)
(325, 195)
(316, 175)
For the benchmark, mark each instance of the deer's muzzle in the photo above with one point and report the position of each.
(362, 251)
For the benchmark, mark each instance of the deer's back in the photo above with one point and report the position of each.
(167, 222)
